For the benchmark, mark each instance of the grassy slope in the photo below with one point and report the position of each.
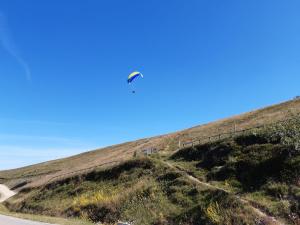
(143, 190)
(256, 166)
(40, 174)
(256, 171)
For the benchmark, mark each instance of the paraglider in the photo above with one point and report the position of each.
(132, 77)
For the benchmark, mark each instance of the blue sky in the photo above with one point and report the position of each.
(63, 69)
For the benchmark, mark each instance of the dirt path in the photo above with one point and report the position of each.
(5, 193)
(7, 220)
(259, 212)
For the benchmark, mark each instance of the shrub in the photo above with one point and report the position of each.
(288, 132)
(251, 139)
(278, 190)
(213, 212)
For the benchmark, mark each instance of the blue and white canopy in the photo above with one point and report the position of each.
(133, 76)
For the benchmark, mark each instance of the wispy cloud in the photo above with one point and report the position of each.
(37, 152)
(18, 150)
(12, 156)
(8, 44)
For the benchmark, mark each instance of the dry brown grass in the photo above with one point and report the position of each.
(39, 174)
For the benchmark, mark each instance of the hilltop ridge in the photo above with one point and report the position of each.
(251, 177)
(42, 173)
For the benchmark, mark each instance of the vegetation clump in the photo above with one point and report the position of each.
(263, 165)
(145, 191)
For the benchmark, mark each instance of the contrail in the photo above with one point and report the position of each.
(9, 45)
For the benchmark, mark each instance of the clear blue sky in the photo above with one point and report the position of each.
(63, 69)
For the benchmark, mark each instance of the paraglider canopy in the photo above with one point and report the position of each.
(133, 76)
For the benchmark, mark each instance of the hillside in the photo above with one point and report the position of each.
(40, 174)
(251, 178)
(244, 178)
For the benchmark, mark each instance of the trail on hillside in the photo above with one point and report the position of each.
(258, 211)
(5, 193)
(8, 220)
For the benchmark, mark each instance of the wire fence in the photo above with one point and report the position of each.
(202, 140)
(222, 136)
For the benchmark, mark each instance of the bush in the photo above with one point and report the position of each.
(288, 132)
(278, 190)
(251, 139)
